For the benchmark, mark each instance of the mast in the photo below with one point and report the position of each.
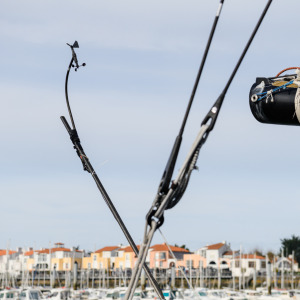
(168, 199)
(282, 270)
(87, 166)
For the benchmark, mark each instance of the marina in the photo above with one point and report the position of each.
(50, 199)
(71, 273)
(39, 293)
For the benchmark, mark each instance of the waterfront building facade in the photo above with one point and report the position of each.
(212, 259)
(247, 264)
(161, 257)
(103, 258)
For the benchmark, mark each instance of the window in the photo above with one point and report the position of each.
(203, 253)
(189, 264)
(286, 264)
(89, 265)
(34, 295)
(67, 266)
(263, 264)
(23, 295)
(251, 264)
(95, 257)
(65, 295)
(42, 257)
(237, 263)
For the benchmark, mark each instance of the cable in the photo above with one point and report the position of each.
(291, 68)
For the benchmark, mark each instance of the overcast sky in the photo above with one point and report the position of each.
(128, 103)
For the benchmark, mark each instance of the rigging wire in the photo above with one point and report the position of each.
(172, 253)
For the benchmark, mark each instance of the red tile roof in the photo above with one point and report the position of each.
(129, 249)
(164, 247)
(108, 248)
(60, 249)
(4, 252)
(215, 246)
(250, 256)
(43, 251)
(29, 253)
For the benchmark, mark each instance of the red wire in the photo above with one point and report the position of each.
(292, 68)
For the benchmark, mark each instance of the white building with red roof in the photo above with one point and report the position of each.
(286, 264)
(9, 262)
(216, 255)
(247, 264)
(58, 258)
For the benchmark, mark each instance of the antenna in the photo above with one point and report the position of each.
(87, 166)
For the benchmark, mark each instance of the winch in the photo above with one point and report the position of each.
(276, 100)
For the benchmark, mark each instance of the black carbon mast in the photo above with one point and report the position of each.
(169, 169)
(87, 166)
(172, 195)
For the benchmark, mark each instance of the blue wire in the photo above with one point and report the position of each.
(280, 87)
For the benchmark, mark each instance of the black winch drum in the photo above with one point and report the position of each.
(282, 107)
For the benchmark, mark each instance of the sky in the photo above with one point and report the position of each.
(141, 59)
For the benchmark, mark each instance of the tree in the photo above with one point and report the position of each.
(257, 252)
(270, 255)
(290, 245)
(183, 247)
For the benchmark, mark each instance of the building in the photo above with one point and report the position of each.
(286, 264)
(63, 259)
(160, 256)
(9, 261)
(216, 255)
(247, 264)
(103, 258)
(210, 259)
(126, 258)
